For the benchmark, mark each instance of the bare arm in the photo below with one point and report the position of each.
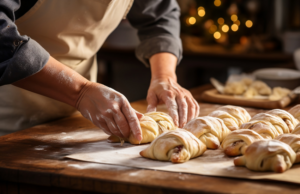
(164, 89)
(105, 107)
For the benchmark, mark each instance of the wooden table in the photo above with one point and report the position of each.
(32, 161)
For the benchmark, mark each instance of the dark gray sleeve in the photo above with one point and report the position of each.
(20, 56)
(158, 27)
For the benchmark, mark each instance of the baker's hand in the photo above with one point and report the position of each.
(109, 110)
(181, 105)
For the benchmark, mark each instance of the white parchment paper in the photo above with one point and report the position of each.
(212, 162)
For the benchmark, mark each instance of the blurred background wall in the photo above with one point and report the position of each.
(220, 37)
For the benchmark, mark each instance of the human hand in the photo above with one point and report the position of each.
(181, 104)
(109, 110)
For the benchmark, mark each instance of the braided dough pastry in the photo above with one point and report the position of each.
(152, 125)
(293, 141)
(290, 121)
(164, 121)
(176, 146)
(237, 141)
(297, 129)
(295, 111)
(267, 125)
(210, 130)
(233, 116)
(267, 155)
(263, 128)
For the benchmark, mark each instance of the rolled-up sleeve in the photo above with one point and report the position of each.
(20, 56)
(158, 25)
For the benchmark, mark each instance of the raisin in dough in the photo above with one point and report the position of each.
(289, 119)
(267, 125)
(176, 146)
(237, 141)
(267, 155)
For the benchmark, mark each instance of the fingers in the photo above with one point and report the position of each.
(192, 109)
(197, 108)
(132, 120)
(108, 123)
(139, 115)
(173, 110)
(152, 102)
(183, 110)
(122, 124)
(102, 125)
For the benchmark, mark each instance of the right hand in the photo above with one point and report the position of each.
(109, 110)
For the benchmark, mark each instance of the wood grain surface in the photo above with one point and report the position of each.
(32, 161)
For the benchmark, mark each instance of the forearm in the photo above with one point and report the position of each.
(56, 81)
(163, 66)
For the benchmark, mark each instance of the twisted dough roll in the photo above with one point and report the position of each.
(293, 141)
(268, 126)
(210, 130)
(297, 129)
(267, 155)
(290, 121)
(233, 116)
(152, 125)
(176, 146)
(237, 141)
(163, 120)
(295, 111)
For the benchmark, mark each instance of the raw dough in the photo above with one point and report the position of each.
(210, 130)
(297, 129)
(278, 93)
(293, 141)
(278, 123)
(152, 125)
(264, 128)
(176, 146)
(290, 121)
(237, 141)
(267, 155)
(295, 111)
(233, 116)
(235, 88)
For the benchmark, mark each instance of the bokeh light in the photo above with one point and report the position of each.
(234, 27)
(249, 23)
(217, 3)
(225, 28)
(191, 20)
(234, 18)
(217, 35)
(201, 12)
(221, 21)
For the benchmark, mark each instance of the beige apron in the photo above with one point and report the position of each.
(72, 32)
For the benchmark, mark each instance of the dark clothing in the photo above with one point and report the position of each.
(157, 22)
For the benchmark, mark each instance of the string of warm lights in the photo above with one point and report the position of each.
(218, 31)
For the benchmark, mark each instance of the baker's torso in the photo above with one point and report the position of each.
(72, 32)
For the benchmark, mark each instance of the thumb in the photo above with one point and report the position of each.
(139, 115)
(152, 102)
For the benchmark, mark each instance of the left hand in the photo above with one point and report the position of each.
(181, 105)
